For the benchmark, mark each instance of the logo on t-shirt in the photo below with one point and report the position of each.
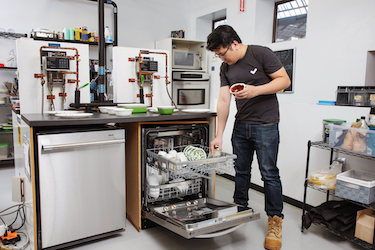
(253, 71)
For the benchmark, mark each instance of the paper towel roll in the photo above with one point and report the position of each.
(71, 36)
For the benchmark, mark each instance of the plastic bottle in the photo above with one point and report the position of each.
(85, 35)
(108, 35)
(364, 123)
(11, 62)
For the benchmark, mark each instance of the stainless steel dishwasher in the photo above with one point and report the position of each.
(81, 186)
(181, 201)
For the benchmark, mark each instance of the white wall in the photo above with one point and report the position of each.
(334, 53)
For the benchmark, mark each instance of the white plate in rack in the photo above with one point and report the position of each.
(196, 110)
(75, 116)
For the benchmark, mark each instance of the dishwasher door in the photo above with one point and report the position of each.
(181, 202)
(81, 186)
(202, 218)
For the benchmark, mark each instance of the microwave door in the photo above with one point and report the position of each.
(191, 95)
(185, 59)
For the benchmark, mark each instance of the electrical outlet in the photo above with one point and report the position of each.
(17, 189)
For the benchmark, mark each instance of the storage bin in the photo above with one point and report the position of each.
(4, 150)
(371, 97)
(342, 96)
(363, 96)
(356, 185)
(326, 123)
(359, 97)
(352, 139)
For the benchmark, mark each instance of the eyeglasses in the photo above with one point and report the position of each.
(223, 55)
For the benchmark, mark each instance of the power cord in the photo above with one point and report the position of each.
(20, 208)
(11, 236)
(24, 245)
(23, 218)
(170, 97)
(18, 205)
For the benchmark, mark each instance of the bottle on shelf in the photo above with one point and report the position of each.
(371, 119)
(364, 123)
(11, 62)
(108, 35)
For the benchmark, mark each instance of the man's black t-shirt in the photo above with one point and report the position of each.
(253, 69)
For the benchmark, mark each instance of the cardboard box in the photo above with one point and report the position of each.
(364, 228)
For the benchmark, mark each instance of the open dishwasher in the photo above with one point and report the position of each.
(175, 190)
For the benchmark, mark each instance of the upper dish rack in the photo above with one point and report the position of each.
(192, 169)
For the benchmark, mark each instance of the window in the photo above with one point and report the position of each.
(218, 22)
(290, 20)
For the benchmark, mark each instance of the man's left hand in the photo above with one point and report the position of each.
(248, 92)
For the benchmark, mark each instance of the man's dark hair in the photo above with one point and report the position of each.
(223, 35)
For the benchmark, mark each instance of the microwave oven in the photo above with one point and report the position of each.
(186, 59)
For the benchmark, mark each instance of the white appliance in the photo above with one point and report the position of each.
(31, 92)
(125, 76)
(191, 90)
(81, 186)
(186, 59)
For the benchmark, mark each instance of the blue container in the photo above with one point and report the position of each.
(370, 137)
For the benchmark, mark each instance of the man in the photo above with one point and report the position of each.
(257, 118)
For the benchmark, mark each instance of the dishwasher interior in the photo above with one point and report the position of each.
(177, 175)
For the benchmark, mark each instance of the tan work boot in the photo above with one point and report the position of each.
(273, 238)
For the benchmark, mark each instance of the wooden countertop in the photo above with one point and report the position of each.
(39, 120)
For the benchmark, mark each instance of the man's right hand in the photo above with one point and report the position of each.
(218, 141)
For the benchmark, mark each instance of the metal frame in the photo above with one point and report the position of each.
(326, 146)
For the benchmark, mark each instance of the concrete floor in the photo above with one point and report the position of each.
(249, 236)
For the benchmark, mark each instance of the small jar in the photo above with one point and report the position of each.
(216, 152)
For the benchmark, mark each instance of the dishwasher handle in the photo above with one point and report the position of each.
(218, 233)
(80, 144)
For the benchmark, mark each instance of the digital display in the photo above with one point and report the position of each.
(58, 63)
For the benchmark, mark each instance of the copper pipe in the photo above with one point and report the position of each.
(76, 57)
(166, 68)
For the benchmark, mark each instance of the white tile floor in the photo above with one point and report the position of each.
(250, 236)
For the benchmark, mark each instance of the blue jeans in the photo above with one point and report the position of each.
(264, 139)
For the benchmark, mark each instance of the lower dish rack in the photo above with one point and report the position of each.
(174, 190)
